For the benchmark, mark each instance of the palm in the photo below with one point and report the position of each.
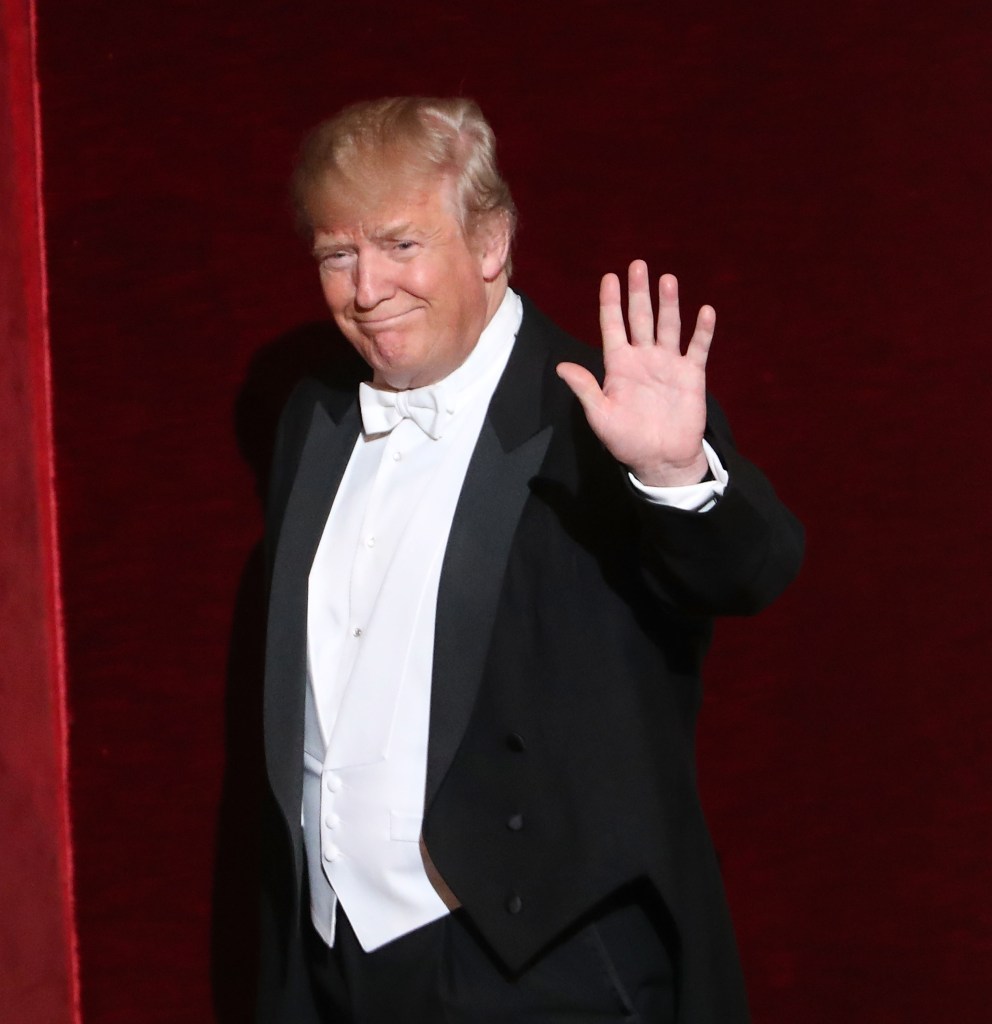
(651, 410)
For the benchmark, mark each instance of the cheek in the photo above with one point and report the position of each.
(336, 292)
(418, 282)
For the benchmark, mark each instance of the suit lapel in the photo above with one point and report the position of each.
(511, 448)
(325, 455)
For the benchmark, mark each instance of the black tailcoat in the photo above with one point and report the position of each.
(572, 620)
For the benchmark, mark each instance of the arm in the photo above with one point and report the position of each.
(734, 559)
(651, 414)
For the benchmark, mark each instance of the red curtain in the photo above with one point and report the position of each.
(37, 984)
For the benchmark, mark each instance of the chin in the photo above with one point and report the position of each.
(401, 367)
(395, 374)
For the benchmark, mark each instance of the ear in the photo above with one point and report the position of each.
(493, 239)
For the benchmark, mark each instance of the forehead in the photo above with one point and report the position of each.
(371, 208)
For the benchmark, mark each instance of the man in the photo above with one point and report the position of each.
(492, 585)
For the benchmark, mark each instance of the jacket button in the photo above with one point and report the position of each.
(514, 903)
(516, 742)
(515, 822)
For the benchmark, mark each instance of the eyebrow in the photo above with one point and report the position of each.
(389, 231)
(326, 248)
(394, 231)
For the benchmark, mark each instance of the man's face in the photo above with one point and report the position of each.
(406, 287)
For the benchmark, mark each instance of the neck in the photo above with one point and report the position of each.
(495, 290)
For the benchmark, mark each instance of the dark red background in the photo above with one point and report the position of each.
(819, 173)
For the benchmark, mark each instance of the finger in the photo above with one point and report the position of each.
(611, 323)
(702, 337)
(669, 319)
(639, 311)
(584, 386)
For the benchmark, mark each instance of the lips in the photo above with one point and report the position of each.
(382, 322)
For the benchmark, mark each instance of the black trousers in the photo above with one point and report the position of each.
(615, 965)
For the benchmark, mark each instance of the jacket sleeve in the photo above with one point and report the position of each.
(735, 558)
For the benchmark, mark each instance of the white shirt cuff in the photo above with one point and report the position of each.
(699, 497)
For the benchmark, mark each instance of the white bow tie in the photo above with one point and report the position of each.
(428, 407)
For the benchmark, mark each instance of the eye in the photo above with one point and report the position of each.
(404, 247)
(334, 260)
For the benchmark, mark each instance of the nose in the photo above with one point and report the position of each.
(373, 279)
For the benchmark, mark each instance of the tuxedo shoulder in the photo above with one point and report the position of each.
(538, 328)
(296, 418)
(306, 394)
(336, 396)
(297, 412)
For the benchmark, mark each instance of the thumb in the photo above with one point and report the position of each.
(584, 385)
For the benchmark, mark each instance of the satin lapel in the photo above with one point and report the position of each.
(509, 453)
(326, 451)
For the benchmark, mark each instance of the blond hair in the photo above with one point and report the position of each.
(377, 144)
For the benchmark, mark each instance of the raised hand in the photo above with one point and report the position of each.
(651, 410)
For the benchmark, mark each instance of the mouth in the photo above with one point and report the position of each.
(382, 322)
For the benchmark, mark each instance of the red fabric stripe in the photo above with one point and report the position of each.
(40, 980)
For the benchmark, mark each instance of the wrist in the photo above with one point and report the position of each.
(673, 474)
